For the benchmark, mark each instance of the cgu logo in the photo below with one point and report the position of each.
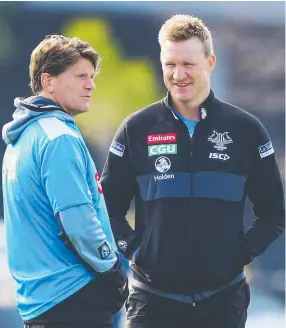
(223, 157)
(162, 149)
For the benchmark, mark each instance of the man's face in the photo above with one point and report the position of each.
(72, 89)
(186, 69)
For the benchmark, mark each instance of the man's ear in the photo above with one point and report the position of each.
(211, 62)
(47, 82)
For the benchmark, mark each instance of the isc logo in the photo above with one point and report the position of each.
(223, 157)
(162, 149)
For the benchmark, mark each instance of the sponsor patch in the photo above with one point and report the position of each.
(116, 148)
(162, 176)
(162, 164)
(162, 149)
(223, 157)
(153, 139)
(104, 250)
(266, 150)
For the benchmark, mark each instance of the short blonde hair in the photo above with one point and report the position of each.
(55, 54)
(183, 27)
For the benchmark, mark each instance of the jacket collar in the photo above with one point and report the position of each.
(40, 104)
(205, 108)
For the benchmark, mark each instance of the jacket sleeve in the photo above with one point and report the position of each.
(265, 191)
(85, 233)
(118, 183)
(63, 176)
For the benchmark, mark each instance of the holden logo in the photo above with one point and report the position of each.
(162, 164)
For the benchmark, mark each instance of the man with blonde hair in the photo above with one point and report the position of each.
(61, 250)
(189, 247)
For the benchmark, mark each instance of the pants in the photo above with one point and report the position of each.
(227, 309)
(91, 307)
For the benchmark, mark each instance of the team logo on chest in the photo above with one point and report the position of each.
(220, 140)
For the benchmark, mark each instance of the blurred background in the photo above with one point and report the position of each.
(249, 41)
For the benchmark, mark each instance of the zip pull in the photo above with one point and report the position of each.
(194, 304)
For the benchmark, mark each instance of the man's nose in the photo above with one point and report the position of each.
(90, 84)
(179, 73)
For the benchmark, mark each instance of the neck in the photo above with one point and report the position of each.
(50, 96)
(47, 95)
(191, 113)
(190, 109)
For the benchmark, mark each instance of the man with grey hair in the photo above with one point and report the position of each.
(181, 158)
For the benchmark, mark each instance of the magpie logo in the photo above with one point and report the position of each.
(220, 140)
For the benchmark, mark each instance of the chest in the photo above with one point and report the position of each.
(168, 148)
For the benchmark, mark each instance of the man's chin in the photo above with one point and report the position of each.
(84, 109)
(80, 111)
(182, 98)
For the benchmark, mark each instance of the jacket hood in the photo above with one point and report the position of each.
(29, 110)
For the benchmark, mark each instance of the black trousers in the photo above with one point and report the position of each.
(227, 309)
(91, 307)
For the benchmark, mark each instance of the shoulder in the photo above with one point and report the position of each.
(239, 116)
(55, 138)
(146, 117)
(54, 128)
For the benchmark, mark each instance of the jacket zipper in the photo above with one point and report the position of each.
(192, 243)
(191, 170)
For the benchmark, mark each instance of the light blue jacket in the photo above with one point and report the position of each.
(48, 174)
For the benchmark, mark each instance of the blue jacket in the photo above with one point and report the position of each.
(50, 189)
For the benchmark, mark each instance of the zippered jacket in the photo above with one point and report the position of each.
(50, 190)
(190, 194)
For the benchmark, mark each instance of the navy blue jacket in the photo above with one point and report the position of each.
(190, 194)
